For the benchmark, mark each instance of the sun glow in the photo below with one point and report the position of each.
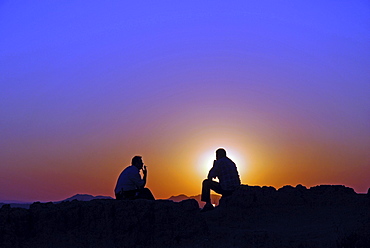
(206, 159)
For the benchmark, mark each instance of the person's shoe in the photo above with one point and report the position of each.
(207, 207)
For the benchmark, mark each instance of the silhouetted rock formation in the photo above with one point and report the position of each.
(322, 216)
(247, 196)
(100, 223)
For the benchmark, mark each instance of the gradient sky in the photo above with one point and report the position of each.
(283, 86)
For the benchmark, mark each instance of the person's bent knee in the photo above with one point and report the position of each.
(206, 181)
(145, 193)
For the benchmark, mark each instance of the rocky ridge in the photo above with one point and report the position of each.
(322, 216)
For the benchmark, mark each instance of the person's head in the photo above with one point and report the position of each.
(220, 153)
(138, 162)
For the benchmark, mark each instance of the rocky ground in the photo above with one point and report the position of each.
(322, 216)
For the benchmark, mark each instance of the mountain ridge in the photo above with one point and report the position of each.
(78, 197)
(88, 197)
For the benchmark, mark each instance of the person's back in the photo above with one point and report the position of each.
(228, 174)
(130, 185)
(225, 170)
(129, 179)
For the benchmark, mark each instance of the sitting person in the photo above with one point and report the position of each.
(130, 185)
(227, 173)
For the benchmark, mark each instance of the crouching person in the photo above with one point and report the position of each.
(225, 170)
(130, 185)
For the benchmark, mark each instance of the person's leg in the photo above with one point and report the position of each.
(206, 189)
(206, 193)
(129, 195)
(145, 193)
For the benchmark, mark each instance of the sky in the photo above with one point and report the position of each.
(283, 86)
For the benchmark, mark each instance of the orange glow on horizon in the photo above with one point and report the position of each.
(181, 162)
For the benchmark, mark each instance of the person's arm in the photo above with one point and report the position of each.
(118, 187)
(135, 178)
(145, 172)
(213, 172)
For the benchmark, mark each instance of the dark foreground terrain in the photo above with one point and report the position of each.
(322, 216)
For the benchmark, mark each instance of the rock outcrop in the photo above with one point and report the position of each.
(322, 216)
(100, 223)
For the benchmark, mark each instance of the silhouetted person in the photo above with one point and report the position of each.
(130, 185)
(227, 173)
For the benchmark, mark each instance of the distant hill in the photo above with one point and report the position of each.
(214, 199)
(85, 197)
(179, 198)
(78, 197)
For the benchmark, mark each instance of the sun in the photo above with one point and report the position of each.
(205, 161)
